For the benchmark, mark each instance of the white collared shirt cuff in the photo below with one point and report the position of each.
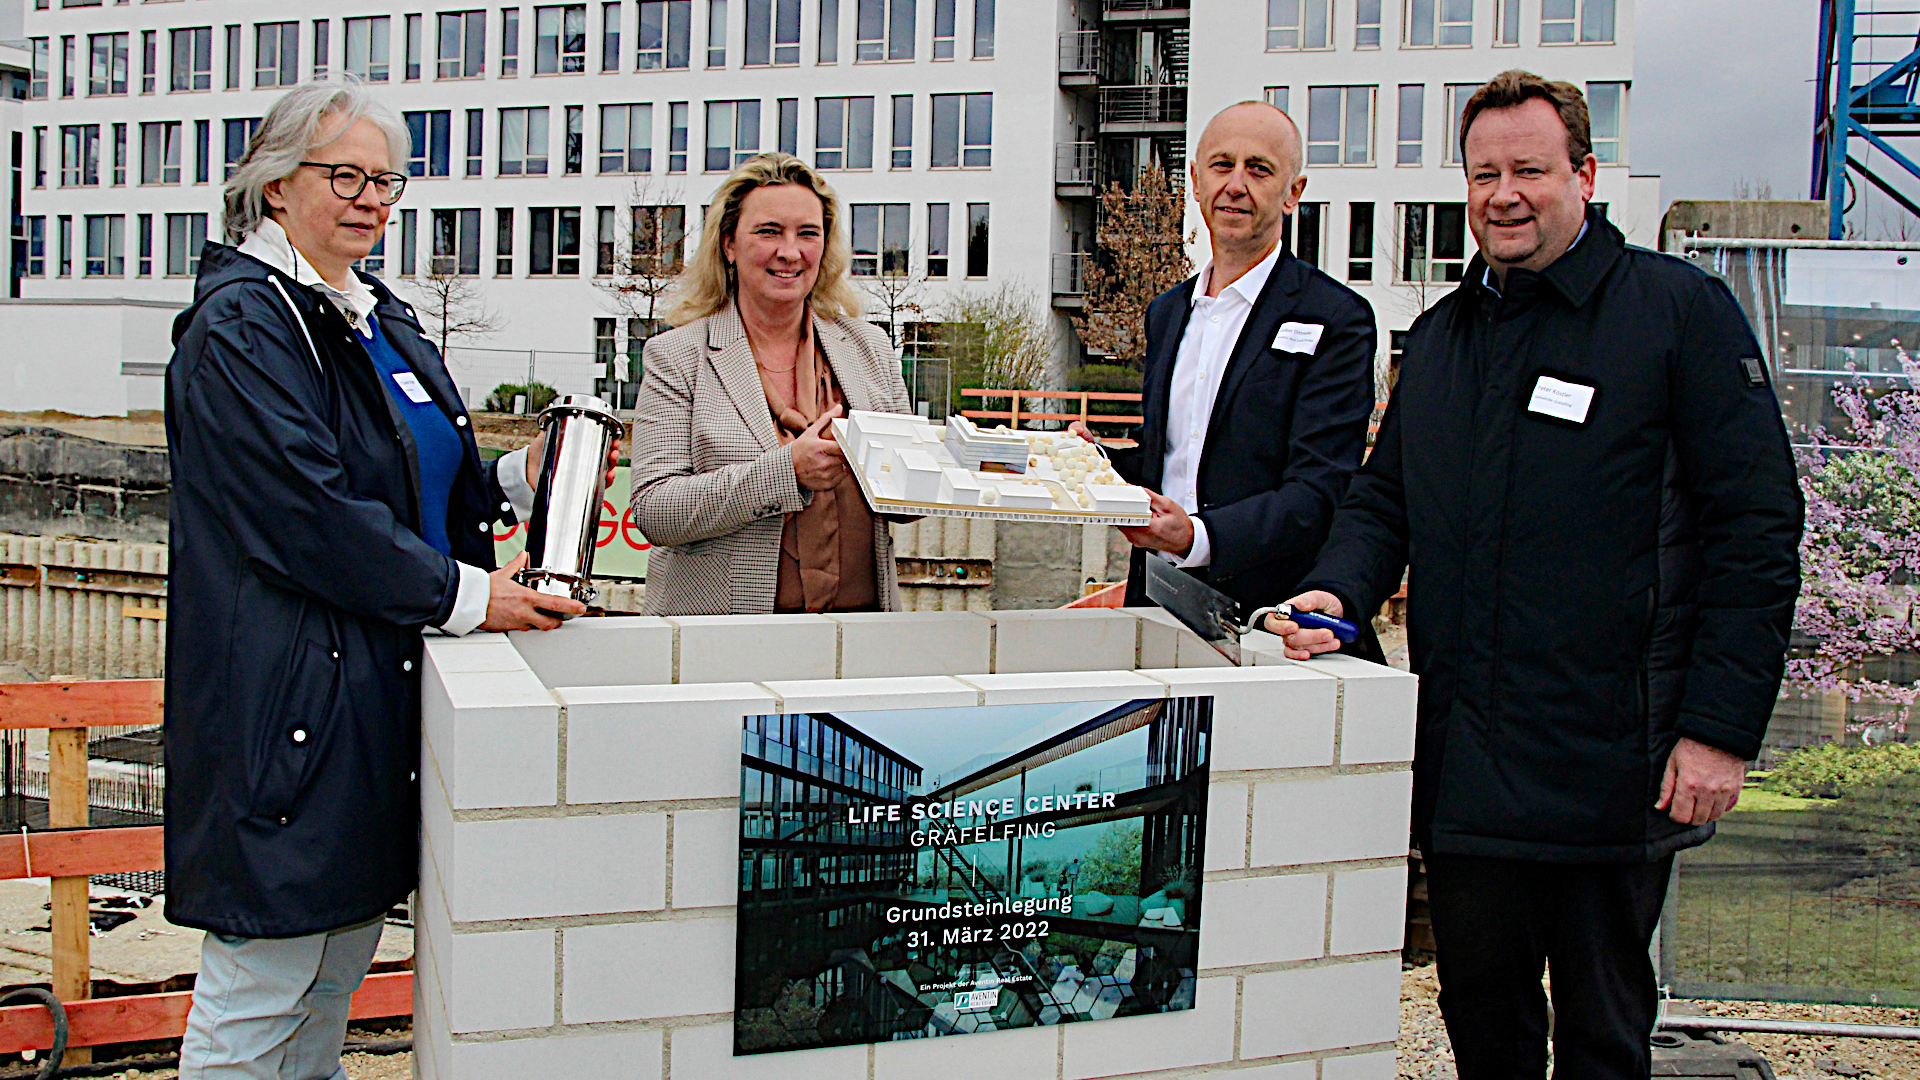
(1201, 553)
(470, 602)
(513, 481)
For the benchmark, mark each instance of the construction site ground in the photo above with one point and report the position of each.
(494, 431)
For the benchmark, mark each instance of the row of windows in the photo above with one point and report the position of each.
(103, 250)
(661, 39)
(1443, 24)
(1341, 122)
(1429, 242)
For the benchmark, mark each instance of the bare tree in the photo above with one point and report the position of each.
(455, 308)
(1141, 255)
(1002, 335)
(649, 256)
(895, 296)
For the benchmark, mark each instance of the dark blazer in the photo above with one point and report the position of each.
(1584, 590)
(299, 587)
(1288, 429)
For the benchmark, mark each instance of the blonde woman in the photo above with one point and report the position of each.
(737, 479)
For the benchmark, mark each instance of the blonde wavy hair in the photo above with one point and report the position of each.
(708, 284)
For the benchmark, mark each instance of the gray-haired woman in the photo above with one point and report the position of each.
(328, 506)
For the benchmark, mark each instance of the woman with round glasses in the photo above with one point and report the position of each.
(328, 507)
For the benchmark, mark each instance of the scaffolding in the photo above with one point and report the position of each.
(1859, 94)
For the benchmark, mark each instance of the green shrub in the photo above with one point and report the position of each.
(1830, 770)
(539, 396)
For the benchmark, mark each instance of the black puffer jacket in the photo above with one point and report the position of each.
(1583, 591)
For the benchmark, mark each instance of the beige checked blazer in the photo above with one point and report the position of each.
(711, 483)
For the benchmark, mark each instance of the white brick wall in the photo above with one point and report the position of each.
(619, 1055)
(876, 645)
(1318, 1008)
(1199, 1036)
(706, 858)
(1331, 818)
(1263, 920)
(528, 868)
(634, 971)
(706, 1053)
(1263, 718)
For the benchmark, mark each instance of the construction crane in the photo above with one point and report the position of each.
(1859, 96)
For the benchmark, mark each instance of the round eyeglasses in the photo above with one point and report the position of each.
(350, 180)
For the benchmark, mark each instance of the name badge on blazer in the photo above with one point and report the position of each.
(1566, 400)
(1298, 337)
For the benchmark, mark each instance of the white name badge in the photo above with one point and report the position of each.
(1561, 400)
(1298, 337)
(409, 385)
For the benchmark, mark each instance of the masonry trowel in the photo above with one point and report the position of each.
(1215, 616)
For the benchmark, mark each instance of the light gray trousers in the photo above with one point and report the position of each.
(274, 1008)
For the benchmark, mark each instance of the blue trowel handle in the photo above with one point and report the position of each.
(1341, 628)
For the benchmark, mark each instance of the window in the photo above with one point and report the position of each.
(983, 29)
(1506, 22)
(938, 234)
(576, 139)
(408, 241)
(149, 60)
(375, 260)
(733, 133)
(977, 239)
(192, 59)
(1297, 24)
(119, 154)
(553, 240)
(503, 242)
(1366, 24)
(476, 141)
(1279, 97)
(523, 142)
(943, 20)
(107, 65)
(1360, 241)
(1592, 18)
(413, 47)
(1305, 232)
(657, 239)
(903, 131)
(789, 125)
(1607, 106)
(1458, 94)
(626, 138)
(604, 245)
(610, 36)
(160, 153)
(34, 237)
(843, 133)
(202, 147)
(238, 134)
(145, 242)
(716, 33)
(829, 31)
(79, 155)
(1413, 108)
(880, 233)
(66, 70)
(186, 235)
(1433, 242)
(463, 45)
(367, 47)
(677, 137)
(962, 131)
(322, 46)
(1446, 23)
(66, 245)
(603, 329)
(773, 32)
(560, 39)
(1340, 125)
(432, 134)
(233, 57)
(40, 157)
(276, 54)
(883, 30)
(106, 246)
(666, 35)
(37, 83)
(510, 42)
(456, 243)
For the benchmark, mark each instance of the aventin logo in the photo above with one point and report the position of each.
(969, 1000)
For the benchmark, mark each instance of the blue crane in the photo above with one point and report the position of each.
(1875, 110)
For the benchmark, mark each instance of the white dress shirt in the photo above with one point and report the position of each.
(269, 243)
(1213, 330)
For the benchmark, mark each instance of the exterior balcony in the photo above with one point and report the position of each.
(1070, 280)
(1080, 54)
(1076, 170)
(1145, 11)
(1143, 110)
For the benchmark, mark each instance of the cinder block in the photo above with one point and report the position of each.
(706, 858)
(1159, 637)
(1379, 1065)
(1331, 819)
(1197, 1036)
(634, 971)
(475, 652)
(757, 648)
(994, 1055)
(1369, 910)
(1047, 688)
(534, 868)
(1264, 920)
(630, 650)
(498, 982)
(1263, 718)
(1078, 639)
(495, 736)
(706, 1053)
(1376, 712)
(883, 644)
(855, 695)
(1226, 826)
(617, 738)
(1320, 1008)
(619, 1055)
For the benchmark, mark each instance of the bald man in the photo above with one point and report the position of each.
(1259, 382)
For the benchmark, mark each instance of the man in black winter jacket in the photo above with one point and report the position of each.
(1586, 468)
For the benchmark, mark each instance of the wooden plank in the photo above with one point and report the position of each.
(67, 808)
(145, 1017)
(96, 702)
(130, 611)
(82, 851)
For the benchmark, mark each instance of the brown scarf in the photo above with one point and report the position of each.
(826, 549)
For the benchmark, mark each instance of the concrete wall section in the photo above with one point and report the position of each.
(48, 365)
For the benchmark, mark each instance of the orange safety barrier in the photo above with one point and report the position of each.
(1112, 596)
(145, 1017)
(1014, 415)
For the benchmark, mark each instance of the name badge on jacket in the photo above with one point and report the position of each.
(1560, 399)
(1298, 337)
(409, 385)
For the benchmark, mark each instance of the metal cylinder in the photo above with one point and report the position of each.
(580, 429)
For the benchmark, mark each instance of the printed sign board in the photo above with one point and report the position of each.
(620, 551)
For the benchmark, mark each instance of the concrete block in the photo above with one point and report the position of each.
(706, 1053)
(1320, 1008)
(1379, 1065)
(757, 648)
(1263, 717)
(615, 736)
(876, 644)
(1304, 1069)
(1159, 637)
(1376, 711)
(1046, 688)
(1079, 639)
(500, 981)
(706, 858)
(1227, 806)
(855, 695)
(635, 971)
(475, 652)
(1369, 910)
(1264, 920)
(618, 1055)
(495, 736)
(629, 650)
(996, 1055)
(1201, 1035)
(1329, 819)
(534, 868)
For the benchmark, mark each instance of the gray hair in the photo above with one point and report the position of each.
(291, 129)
